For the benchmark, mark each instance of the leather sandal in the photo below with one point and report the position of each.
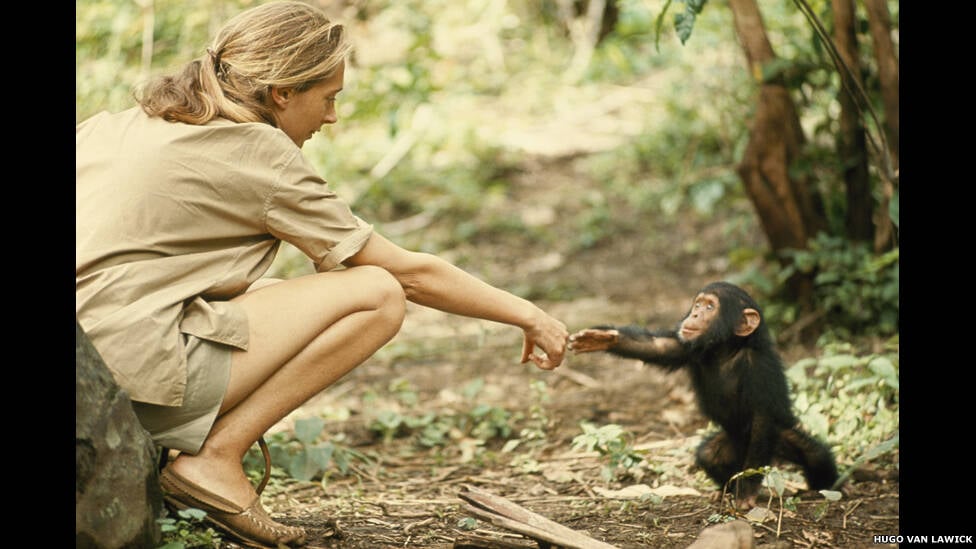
(251, 525)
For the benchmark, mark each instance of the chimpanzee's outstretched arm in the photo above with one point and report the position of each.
(660, 347)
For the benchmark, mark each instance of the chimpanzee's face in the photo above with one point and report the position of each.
(703, 313)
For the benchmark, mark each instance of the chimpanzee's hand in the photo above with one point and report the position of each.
(591, 339)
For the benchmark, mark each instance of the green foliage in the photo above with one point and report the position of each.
(474, 420)
(109, 38)
(490, 422)
(893, 208)
(878, 450)
(593, 225)
(188, 531)
(856, 289)
(719, 518)
(300, 454)
(850, 399)
(775, 482)
(684, 21)
(537, 423)
(829, 496)
(613, 443)
(692, 163)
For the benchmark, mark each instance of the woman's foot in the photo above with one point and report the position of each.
(248, 522)
(225, 478)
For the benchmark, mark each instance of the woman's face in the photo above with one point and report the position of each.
(301, 114)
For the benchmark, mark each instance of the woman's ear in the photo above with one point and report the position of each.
(281, 96)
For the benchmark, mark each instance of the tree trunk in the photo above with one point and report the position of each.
(851, 141)
(788, 209)
(879, 22)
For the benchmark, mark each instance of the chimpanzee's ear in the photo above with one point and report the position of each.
(748, 322)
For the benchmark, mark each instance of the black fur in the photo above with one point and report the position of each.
(739, 384)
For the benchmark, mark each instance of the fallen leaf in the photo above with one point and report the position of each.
(760, 514)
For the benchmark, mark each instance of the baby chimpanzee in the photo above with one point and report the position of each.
(739, 383)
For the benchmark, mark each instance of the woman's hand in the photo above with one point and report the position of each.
(551, 336)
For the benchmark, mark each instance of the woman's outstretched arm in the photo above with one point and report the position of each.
(433, 282)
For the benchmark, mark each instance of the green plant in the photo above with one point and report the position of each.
(434, 430)
(829, 496)
(849, 398)
(301, 454)
(856, 289)
(613, 443)
(875, 451)
(187, 531)
(387, 424)
(481, 421)
(594, 224)
(774, 481)
(489, 422)
(538, 420)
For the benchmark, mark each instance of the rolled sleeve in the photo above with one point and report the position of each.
(303, 211)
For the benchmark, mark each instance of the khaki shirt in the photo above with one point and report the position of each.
(173, 220)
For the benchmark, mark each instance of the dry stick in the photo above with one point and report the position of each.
(474, 540)
(448, 471)
(684, 515)
(849, 511)
(804, 543)
(422, 117)
(478, 480)
(761, 525)
(406, 225)
(504, 513)
(585, 486)
(386, 511)
(364, 473)
(551, 499)
(408, 528)
(674, 427)
(482, 531)
(799, 325)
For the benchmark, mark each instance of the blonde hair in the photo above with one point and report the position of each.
(284, 43)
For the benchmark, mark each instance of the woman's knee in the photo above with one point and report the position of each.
(385, 291)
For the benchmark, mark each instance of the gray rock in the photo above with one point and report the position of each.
(736, 534)
(117, 495)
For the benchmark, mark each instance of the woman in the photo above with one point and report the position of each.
(182, 203)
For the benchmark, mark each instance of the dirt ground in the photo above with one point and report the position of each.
(408, 496)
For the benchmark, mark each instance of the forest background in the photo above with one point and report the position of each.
(606, 158)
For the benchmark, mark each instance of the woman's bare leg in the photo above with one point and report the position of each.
(305, 334)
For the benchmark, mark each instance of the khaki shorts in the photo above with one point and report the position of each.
(185, 427)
